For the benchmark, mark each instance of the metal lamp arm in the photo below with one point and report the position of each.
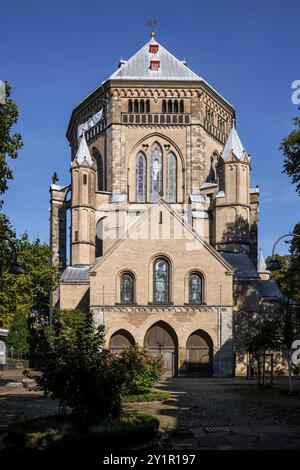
(290, 234)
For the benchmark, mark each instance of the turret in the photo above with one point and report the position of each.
(83, 171)
(231, 204)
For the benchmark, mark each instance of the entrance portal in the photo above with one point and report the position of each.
(162, 339)
(199, 350)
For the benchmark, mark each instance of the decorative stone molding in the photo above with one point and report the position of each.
(152, 309)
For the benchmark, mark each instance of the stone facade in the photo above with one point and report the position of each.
(214, 211)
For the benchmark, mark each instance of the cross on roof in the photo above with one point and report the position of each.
(153, 23)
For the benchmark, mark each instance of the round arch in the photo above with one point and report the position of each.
(186, 284)
(118, 284)
(169, 260)
(199, 354)
(161, 338)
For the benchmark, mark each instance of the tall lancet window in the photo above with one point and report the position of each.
(156, 172)
(99, 238)
(171, 178)
(100, 172)
(141, 176)
(126, 288)
(161, 280)
(195, 288)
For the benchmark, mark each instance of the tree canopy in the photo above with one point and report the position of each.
(10, 143)
(290, 147)
(28, 292)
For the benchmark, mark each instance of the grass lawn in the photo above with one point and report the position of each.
(148, 396)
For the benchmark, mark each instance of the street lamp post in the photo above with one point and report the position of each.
(274, 264)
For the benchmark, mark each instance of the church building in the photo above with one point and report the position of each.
(163, 220)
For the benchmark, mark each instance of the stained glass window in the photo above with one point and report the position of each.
(161, 280)
(141, 178)
(126, 288)
(171, 178)
(156, 172)
(195, 289)
(99, 239)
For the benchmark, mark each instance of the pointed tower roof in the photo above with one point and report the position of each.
(138, 67)
(83, 153)
(233, 145)
(261, 264)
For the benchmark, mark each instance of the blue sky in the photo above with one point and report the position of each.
(54, 53)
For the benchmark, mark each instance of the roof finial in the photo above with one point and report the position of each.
(153, 23)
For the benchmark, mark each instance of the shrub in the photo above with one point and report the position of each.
(17, 337)
(139, 368)
(78, 372)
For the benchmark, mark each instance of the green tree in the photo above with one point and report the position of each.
(18, 334)
(290, 147)
(77, 371)
(10, 143)
(27, 293)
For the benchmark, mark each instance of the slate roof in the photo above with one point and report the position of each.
(83, 152)
(75, 274)
(261, 265)
(269, 289)
(138, 66)
(242, 264)
(233, 144)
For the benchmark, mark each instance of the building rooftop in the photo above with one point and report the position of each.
(75, 274)
(242, 264)
(138, 67)
(234, 145)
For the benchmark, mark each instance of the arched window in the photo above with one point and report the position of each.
(195, 288)
(148, 106)
(170, 106)
(130, 106)
(127, 288)
(161, 275)
(141, 177)
(156, 172)
(171, 178)
(176, 106)
(181, 106)
(142, 106)
(99, 239)
(100, 171)
(164, 106)
(136, 106)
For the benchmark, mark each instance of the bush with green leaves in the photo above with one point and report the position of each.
(78, 372)
(17, 338)
(139, 368)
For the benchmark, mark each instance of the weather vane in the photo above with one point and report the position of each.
(153, 23)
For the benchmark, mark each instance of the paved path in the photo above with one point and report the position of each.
(256, 419)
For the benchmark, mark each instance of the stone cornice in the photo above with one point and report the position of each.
(156, 309)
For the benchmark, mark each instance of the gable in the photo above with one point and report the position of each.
(162, 230)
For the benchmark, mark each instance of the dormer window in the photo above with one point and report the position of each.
(154, 64)
(153, 48)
